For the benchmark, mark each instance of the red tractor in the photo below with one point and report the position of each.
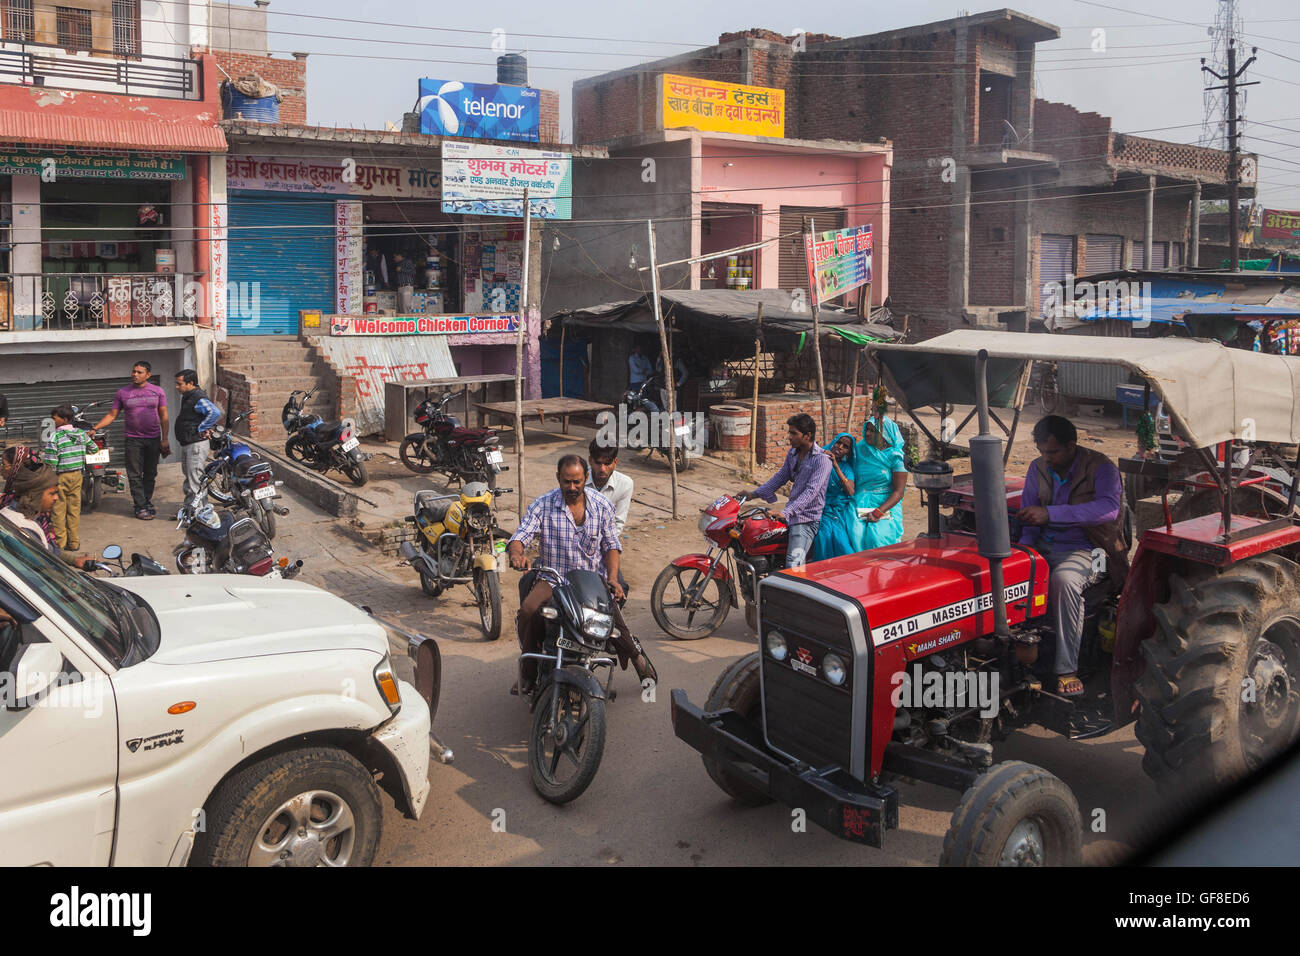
(913, 660)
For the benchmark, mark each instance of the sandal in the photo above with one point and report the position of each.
(1069, 685)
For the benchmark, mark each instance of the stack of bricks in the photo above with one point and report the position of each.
(289, 75)
(774, 411)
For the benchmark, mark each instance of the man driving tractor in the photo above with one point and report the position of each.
(1070, 506)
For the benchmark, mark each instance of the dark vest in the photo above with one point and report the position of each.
(187, 422)
(1109, 536)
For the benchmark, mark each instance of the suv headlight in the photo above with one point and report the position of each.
(596, 624)
(387, 684)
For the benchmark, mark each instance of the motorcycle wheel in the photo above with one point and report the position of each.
(265, 519)
(669, 595)
(428, 585)
(356, 472)
(415, 454)
(683, 461)
(220, 490)
(92, 493)
(298, 449)
(487, 594)
(567, 742)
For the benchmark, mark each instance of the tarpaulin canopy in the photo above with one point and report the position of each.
(1211, 392)
(728, 312)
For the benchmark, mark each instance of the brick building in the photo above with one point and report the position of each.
(993, 192)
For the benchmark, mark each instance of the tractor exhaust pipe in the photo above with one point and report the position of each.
(992, 527)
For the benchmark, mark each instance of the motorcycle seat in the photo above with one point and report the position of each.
(325, 431)
(436, 511)
(467, 435)
(250, 464)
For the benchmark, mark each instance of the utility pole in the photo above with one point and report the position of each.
(1234, 153)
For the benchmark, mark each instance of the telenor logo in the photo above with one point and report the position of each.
(479, 110)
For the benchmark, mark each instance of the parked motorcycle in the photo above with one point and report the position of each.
(639, 401)
(242, 478)
(141, 564)
(222, 542)
(95, 472)
(567, 700)
(321, 445)
(457, 534)
(694, 593)
(443, 445)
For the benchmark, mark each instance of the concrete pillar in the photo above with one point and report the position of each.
(959, 242)
(1194, 241)
(1151, 220)
(26, 256)
(1022, 267)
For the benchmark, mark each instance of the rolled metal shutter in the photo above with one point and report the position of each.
(1103, 254)
(1055, 262)
(30, 405)
(792, 265)
(285, 244)
(1159, 255)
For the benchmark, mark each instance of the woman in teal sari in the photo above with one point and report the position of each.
(840, 530)
(880, 483)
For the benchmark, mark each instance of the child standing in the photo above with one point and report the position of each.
(65, 452)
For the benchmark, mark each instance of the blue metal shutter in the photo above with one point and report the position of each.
(286, 245)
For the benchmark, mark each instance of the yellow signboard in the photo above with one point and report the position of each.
(711, 106)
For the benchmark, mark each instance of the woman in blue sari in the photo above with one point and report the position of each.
(840, 530)
(880, 483)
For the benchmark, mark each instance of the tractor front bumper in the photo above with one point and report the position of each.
(831, 797)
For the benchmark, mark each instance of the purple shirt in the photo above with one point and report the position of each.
(1064, 531)
(809, 476)
(142, 406)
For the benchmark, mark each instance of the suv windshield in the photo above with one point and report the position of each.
(89, 606)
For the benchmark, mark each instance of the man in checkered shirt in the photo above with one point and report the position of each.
(578, 531)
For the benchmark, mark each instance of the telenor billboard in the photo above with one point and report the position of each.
(479, 110)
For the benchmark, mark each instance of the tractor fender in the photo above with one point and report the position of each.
(700, 562)
(485, 562)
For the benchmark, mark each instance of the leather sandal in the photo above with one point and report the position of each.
(1069, 685)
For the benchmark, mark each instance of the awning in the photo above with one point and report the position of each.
(1213, 393)
(60, 127)
(729, 312)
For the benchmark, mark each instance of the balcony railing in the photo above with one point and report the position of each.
(42, 64)
(97, 300)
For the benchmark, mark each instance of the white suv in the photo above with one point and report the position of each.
(211, 719)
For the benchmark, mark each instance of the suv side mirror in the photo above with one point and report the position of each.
(36, 669)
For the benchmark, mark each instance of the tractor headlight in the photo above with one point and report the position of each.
(595, 624)
(776, 645)
(833, 669)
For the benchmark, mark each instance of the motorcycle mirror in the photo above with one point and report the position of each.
(112, 553)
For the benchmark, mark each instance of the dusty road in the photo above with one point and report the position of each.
(651, 803)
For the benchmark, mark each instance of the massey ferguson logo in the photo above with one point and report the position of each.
(156, 741)
(802, 662)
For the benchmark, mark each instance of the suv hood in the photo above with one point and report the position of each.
(218, 617)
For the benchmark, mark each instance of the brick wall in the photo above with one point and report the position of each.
(992, 252)
(1063, 131)
(1183, 158)
(290, 75)
(549, 127)
(775, 410)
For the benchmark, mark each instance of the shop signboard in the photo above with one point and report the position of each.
(347, 256)
(710, 106)
(423, 324)
(479, 111)
(345, 176)
(1280, 224)
(838, 261)
(485, 180)
(135, 166)
(217, 266)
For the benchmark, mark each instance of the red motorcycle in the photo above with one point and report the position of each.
(692, 595)
(443, 445)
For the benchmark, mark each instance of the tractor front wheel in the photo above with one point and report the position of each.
(737, 688)
(1221, 689)
(1015, 814)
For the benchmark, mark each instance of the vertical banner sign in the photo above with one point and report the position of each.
(347, 258)
(217, 267)
(838, 261)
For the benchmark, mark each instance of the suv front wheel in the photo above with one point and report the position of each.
(317, 806)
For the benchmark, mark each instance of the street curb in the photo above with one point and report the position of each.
(321, 491)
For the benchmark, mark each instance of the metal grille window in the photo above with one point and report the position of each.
(126, 27)
(74, 28)
(18, 21)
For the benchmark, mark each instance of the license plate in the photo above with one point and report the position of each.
(682, 429)
(98, 457)
(350, 444)
(567, 644)
(495, 458)
(260, 493)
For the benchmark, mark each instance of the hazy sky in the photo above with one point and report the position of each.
(1148, 77)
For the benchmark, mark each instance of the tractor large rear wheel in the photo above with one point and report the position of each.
(1221, 689)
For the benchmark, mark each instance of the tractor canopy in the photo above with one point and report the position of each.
(1212, 393)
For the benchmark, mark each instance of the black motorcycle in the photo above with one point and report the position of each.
(444, 445)
(243, 479)
(220, 542)
(653, 435)
(95, 473)
(567, 699)
(141, 564)
(321, 445)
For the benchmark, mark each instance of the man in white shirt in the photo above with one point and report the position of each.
(604, 477)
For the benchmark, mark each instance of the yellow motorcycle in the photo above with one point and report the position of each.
(458, 544)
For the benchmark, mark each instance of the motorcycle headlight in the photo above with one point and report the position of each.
(479, 518)
(704, 522)
(596, 624)
(776, 645)
(833, 669)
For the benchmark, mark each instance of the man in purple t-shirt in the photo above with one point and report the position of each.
(145, 405)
